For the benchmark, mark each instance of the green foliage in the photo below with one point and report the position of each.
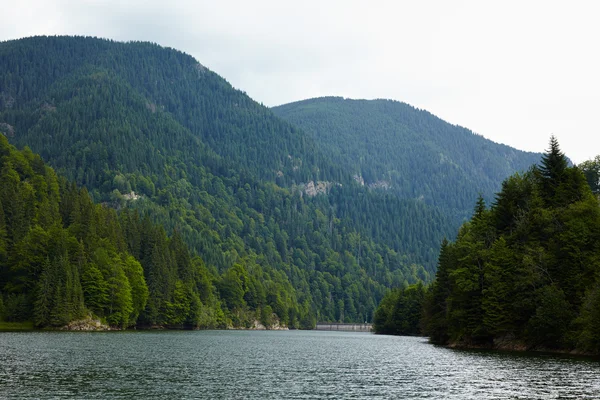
(139, 290)
(589, 321)
(549, 325)
(399, 313)
(95, 288)
(591, 171)
(552, 170)
(218, 172)
(527, 270)
(2, 310)
(59, 296)
(124, 270)
(413, 153)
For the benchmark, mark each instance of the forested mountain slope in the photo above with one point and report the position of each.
(411, 152)
(41, 72)
(63, 258)
(150, 129)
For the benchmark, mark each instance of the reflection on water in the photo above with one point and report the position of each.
(276, 364)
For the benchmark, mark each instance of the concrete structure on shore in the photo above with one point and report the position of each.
(332, 326)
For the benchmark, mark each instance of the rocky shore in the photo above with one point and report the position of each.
(87, 324)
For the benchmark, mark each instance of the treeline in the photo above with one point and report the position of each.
(63, 258)
(524, 273)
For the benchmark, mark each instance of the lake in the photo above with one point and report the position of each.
(277, 365)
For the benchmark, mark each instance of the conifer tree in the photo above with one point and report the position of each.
(526, 271)
(552, 170)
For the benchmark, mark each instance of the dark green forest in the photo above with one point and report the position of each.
(341, 275)
(170, 147)
(400, 311)
(148, 129)
(64, 258)
(523, 273)
(412, 153)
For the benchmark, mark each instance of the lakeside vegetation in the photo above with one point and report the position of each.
(16, 326)
(64, 258)
(523, 273)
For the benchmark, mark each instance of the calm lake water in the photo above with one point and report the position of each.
(276, 365)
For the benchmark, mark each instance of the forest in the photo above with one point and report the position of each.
(409, 152)
(90, 118)
(155, 139)
(523, 273)
(64, 258)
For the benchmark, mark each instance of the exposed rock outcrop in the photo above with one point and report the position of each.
(87, 324)
(312, 189)
(7, 129)
(359, 179)
(131, 196)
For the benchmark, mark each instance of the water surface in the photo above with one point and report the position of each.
(276, 365)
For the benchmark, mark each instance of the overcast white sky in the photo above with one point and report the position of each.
(514, 71)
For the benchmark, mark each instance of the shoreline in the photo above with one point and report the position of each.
(517, 347)
(95, 325)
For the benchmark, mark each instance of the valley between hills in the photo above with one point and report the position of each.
(140, 189)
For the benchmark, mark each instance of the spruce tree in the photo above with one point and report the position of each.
(552, 170)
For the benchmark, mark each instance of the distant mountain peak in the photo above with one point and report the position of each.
(415, 153)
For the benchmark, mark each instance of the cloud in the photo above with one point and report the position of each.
(515, 72)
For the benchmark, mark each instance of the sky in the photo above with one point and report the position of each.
(515, 72)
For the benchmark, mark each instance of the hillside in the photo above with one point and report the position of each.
(388, 144)
(65, 259)
(149, 130)
(40, 74)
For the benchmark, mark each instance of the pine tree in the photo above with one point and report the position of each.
(552, 170)
(480, 209)
(139, 290)
(95, 289)
(436, 306)
(44, 293)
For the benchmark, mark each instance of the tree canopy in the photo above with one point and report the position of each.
(149, 130)
(526, 271)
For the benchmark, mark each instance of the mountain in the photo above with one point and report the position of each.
(410, 152)
(149, 131)
(164, 86)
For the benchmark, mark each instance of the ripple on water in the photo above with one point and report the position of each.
(260, 365)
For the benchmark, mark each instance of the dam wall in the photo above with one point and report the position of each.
(332, 326)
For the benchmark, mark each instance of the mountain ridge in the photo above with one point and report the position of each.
(411, 148)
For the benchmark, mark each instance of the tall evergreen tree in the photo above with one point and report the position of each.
(552, 170)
